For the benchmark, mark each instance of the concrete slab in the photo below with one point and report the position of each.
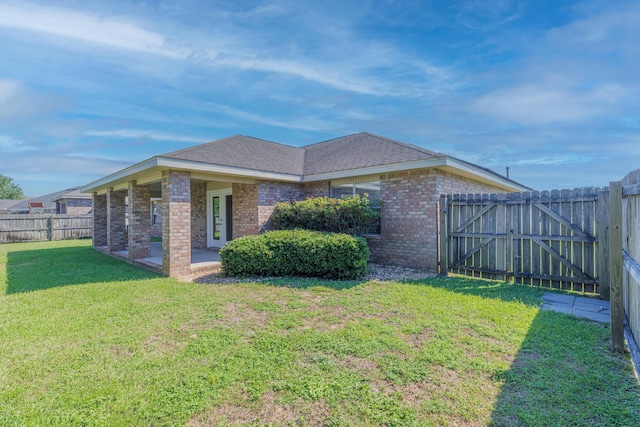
(593, 309)
(558, 298)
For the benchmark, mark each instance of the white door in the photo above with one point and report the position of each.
(218, 217)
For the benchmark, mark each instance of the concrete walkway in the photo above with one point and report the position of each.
(593, 309)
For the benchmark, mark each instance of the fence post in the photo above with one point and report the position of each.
(50, 228)
(443, 267)
(615, 266)
(602, 221)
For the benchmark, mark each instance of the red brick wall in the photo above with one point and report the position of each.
(270, 193)
(77, 206)
(245, 209)
(199, 215)
(448, 183)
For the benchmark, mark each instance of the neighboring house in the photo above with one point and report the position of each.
(70, 201)
(214, 192)
(5, 205)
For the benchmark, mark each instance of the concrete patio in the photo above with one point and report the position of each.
(202, 261)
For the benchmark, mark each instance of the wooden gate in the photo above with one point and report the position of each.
(535, 238)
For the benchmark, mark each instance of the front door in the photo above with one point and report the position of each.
(219, 218)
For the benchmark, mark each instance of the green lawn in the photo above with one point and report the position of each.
(88, 340)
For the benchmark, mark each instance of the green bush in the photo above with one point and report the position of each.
(353, 215)
(296, 253)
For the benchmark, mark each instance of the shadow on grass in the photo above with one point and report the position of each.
(37, 269)
(565, 374)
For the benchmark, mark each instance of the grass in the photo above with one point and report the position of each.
(88, 340)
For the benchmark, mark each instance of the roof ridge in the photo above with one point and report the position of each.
(405, 144)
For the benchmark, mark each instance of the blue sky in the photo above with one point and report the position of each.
(548, 88)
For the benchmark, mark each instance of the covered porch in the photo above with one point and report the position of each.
(195, 212)
(202, 261)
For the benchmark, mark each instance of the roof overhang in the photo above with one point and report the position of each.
(445, 163)
(150, 171)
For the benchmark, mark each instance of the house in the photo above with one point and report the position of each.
(224, 189)
(70, 201)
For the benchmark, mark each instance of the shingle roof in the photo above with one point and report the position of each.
(359, 151)
(49, 200)
(345, 153)
(246, 152)
(7, 203)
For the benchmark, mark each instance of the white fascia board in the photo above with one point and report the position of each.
(108, 180)
(190, 165)
(125, 175)
(372, 170)
(486, 175)
(443, 162)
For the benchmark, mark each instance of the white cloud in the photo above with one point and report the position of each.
(11, 144)
(87, 27)
(17, 102)
(135, 134)
(548, 103)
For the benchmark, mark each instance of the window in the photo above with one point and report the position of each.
(341, 191)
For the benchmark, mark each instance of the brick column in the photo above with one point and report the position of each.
(199, 215)
(115, 220)
(99, 220)
(139, 221)
(176, 223)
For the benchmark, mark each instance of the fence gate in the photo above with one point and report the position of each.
(536, 238)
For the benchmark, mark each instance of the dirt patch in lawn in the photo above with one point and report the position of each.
(267, 411)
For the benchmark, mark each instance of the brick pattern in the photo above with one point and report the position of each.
(116, 220)
(176, 223)
(270, 193)
(316, 189)
(245, 209)
(99, 220)
(409, 226)
(448, 183)
(199, 215)
(75, 206)
(139, 221)
(156, 228)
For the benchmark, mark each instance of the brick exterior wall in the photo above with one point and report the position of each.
(409, 226)
(116, 220)
(316, 189)
(245, 209)
(448, 183)
(75, 206)
(176, 223)
(139, 221)
(199, 215)
(99, 220)
(156, 229)
(270, 193)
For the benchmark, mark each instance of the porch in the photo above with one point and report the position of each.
(202, 261)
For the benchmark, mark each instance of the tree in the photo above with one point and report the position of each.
(9, 189)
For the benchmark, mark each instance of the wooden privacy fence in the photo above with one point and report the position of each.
(30, 228)
(546, 238)
(621, 260)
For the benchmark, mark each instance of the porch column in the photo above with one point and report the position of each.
(99, 237)
(115, 220)
(139, 221)
(176, 223)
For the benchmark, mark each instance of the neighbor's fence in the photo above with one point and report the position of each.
(546, 238)
(30, 227)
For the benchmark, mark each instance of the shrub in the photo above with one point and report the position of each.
(296, 253)
(354, 215)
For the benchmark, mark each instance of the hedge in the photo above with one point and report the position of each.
(296, 253)
(353, 215)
